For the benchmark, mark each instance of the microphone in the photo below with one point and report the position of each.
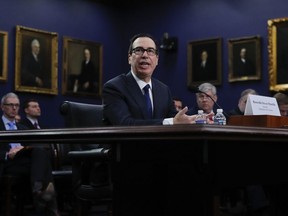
(197, 90)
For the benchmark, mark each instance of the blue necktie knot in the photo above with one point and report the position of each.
(11, 126)
(146, 89)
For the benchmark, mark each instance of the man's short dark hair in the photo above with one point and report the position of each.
(140, 36)
(26, 102)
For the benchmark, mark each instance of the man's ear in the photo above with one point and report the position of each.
(25, 110)
(129, 59)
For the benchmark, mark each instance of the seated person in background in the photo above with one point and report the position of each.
(204, 102)
(33, 112)
(178, 103)
(240, 109)
(34, 164)
(282, 100)
(123, 96)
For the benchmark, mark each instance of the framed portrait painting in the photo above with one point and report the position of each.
(244, 58)
(204, 62)
(36, 64)
(82, 67)
(278, 54)
(3, 55)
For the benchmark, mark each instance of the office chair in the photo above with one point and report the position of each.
(62, 175)
(91, 163)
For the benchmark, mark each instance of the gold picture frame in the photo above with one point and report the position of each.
(36, 74)
(244, 58)
(82, 77)
(212, 70)
(278, 54)
(4, 55)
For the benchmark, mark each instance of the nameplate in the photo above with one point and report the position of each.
(261, 105)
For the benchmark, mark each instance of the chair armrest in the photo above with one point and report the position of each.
(95, 154)
(84, 163)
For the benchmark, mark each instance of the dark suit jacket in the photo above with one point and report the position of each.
(235, 111)
(4, 147)
(27, 123)
(124, 103)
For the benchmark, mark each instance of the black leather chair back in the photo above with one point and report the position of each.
(77, 115)
(84, 114)
(91, 162)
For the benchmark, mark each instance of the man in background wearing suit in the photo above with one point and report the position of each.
(149, 187)
(205, 99)
(33, 112)
(282, 100)
(240, 109)
(34, 164)
(178, 103)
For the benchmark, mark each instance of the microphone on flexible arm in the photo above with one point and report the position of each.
(197, 90)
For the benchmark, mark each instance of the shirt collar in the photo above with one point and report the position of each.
(32, 120)
(5, 121)
(140, 82)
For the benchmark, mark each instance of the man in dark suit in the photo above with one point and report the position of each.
(124, 103)
(34, 162)
(33, 112)
(127, 101)
(205, 99)
(240, 109)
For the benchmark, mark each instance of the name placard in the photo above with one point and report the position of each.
(261, 105)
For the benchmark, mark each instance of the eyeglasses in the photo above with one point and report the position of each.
(141, 50)
(11, 105)
(202, 97)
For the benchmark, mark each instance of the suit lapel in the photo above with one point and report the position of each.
(156, 99)
(136, 93)
(2, 126)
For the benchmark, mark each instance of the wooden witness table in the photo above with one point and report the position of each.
(175, 170)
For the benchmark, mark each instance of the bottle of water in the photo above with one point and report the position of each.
(219, 118)
(200, 118)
